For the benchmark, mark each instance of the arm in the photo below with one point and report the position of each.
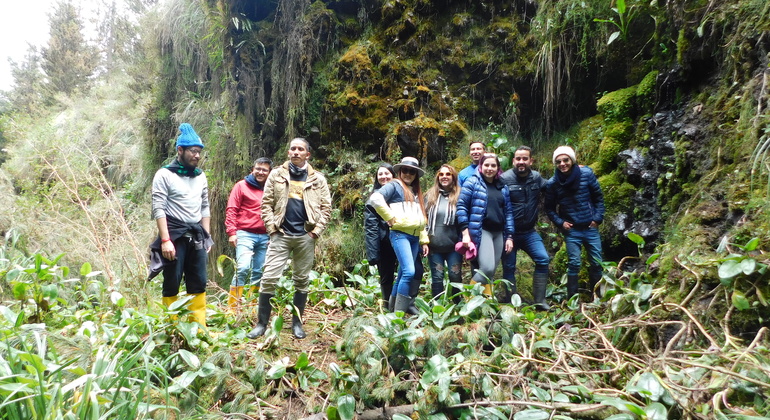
(550, 205)
(325, 207)
(372, 234)
(268, 201)
(597, 199)
(167, 248)
(379, 201)
(231, 214)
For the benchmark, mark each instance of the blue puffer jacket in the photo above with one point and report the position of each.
(472, 208)
(579, 207)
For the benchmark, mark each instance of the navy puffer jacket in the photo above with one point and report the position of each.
(579, 207)
(472, 208)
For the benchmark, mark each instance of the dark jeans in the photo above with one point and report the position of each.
(189, 261)
(386, 266)
(589, 238)
(439, 262)
(532, 244)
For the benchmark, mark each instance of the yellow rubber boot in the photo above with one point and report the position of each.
(167, 301)
(234, 298)
(487, 288)
(198, 308)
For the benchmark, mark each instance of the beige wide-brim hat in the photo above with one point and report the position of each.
(409, 162)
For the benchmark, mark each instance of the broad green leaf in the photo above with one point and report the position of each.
(85, 269)
(645, 292)
(302, 361)
(276, 372)
(613, 37)
(332, 413)
(543, 344)
(532, 414)
(436, 368)
(761, 296)
(472, 304)
(220, 264)
(740, 301)
(50, 291)
(621, 5)
(729, 269)
(346, 407)
(10, 315)
(580, 390)
(623, 405)
(751, 245)
(635, 238)
(656, 411)
(401, 417)
(20, 290)
(652, 258)
(190, 358)
(183, 381)
(748, 265)
(649, 382)
(622, 416)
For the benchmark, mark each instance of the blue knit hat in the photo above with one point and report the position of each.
(188, 137)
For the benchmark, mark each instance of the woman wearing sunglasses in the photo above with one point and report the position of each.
(485, 215)
(377, 237)
(443, 230)
(400, 204)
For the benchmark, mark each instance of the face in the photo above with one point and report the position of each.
(408, 175)
(477, 151)
(261, 171)
(298, 153)
(190, 156)
(489, 169)
(444, 178)
(563, 163)
(522, 161)
(384, 176)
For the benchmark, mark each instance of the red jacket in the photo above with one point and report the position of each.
(244, 209)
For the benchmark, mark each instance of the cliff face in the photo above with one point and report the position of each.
(665, 100)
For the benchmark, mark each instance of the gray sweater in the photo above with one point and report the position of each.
(184, 198)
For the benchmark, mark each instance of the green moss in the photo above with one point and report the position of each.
(618, 105)
(616, 139)
(618, 193)
(682, 45)
(645, 92)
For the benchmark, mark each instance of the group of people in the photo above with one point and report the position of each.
(275, 214)
(483, 215)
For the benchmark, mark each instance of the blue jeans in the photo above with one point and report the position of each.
(407, 249)
(438, 263)
(575, 238)
(249, 258)
(532, 244)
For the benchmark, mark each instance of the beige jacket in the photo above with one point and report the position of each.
(316, 197)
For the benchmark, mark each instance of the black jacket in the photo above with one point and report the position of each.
(580, 207)
(526, 194)
(376, 231)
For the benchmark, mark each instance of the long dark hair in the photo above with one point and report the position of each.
(387, 166)
(431, 197)
(412, 191)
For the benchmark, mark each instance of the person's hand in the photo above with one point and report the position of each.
(313, 235)
(392, 222)
(168, 250)
(233, 240)
(466, 239)
(425, 250)
(593, 224)
(508, 245)
(566, 225)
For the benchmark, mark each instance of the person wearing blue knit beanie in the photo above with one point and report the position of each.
(180, 207)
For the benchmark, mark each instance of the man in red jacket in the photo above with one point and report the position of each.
(246, 230)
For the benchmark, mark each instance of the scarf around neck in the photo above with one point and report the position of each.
(449, 212)
(570, 181)
(176, 167)
(295, 170)
(251, 180)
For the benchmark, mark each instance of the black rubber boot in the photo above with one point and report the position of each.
(414, 290)
(539, 284)
(391, 303)
(263, 316)
(385, 290)
(594, 276)
(300, 299)
(572, 285)
(402, 303)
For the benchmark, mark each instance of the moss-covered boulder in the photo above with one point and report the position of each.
(619, 105)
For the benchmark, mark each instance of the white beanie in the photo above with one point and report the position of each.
(564, 150)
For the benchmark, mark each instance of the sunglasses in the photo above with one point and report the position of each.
(566, 160)
(409, 171)
(444, 174)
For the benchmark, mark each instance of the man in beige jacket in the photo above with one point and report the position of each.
(296, 207)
